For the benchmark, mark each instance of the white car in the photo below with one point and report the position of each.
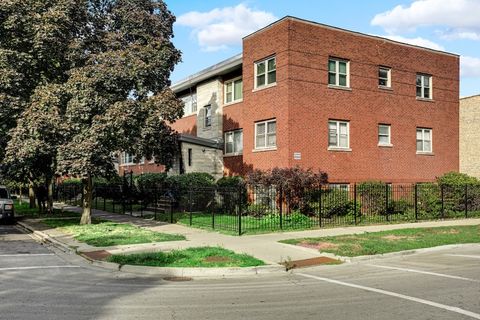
(6, 206)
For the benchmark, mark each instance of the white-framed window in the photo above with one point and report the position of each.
(233, 90)
(208, 116)
(338, 72)
(266, 134)
(234, 142)
(338, 134)
(128, 159)
(384, 135)
(339, 186)
(265, 72)
(424, 140)
(424, 86)
(189, 104)
(385, 77)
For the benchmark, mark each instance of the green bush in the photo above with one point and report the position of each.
(193, 191)
(337, 203)
(373, 197)
(457, 179)
(150, 181)
(231, 182)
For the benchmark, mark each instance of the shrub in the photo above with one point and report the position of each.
(337, 203)
(197, 187)
(292, 182)
(373, 197)
(233, 193)
(150, 181)
(456, 179)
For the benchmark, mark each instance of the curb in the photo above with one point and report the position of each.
(163, 271)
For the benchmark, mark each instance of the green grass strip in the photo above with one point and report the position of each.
(206, 257)
(390, 241)
(103, 233)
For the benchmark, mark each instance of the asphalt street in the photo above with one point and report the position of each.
(41, 283)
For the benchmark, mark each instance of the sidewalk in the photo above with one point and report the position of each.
(264, 246)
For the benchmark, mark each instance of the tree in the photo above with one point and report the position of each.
(38, 46)
(88, 79)
(120, 96)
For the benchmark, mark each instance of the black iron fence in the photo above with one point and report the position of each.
(262, 209)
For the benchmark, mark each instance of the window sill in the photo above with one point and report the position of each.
(331, 86)
(425, 99)
(226, 155)
(385, 88)
(226, 104)
(339, 149)
(265, 149)
(385, 145)
(265, 87)
(423, 153)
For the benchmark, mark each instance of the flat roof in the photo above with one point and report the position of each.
(470, 97)
(222, 67)
(349, 31)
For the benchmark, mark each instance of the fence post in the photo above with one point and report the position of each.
(386, 202)
(239, 210)
(355, 203)
(155, 204)
(416, 201)
(320, 207)
(190, 205)
(466, 200)
(281, 208)
(104, 201)
(213, 215)
(443, 201)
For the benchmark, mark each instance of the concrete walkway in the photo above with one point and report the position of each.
(263, 246)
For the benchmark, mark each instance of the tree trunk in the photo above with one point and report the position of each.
(87, 201)
(31, 195)
(49, 195)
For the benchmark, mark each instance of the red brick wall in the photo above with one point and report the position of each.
(302, 103)
(141, 168)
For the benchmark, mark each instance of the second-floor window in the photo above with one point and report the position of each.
(234, 90)
(338, 134)
(384, 77)
(189, 104)
(234, 142)
(266, 134)
(208, 116)
(424, 140)
(384, 135)
(424, 86)
(338, 72)
(265, 72)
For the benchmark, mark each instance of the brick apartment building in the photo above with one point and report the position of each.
(356, 106)
(470, 135)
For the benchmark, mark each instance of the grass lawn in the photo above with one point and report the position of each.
(207, 257)
(390, 241)
(23, 209)
(103, 233)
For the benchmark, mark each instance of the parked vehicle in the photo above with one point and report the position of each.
(6, 206)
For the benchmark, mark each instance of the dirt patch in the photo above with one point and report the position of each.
(392, 237)
(217, 259)
(96, 255)
(310, 262)
(318, 245)
(451, 231)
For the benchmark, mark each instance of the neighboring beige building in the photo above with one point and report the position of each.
(470, 135)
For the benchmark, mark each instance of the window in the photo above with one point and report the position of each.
(384, 135)
(189, 157)
(266, 134)
(234, 142)
(338, 72)
(233, 90)
(424, 86)
(189, 104)
(384, 77)
(424, 140)
(208, 116)
(339, 186)
(265, 72)
(127, 158)
(338, 134)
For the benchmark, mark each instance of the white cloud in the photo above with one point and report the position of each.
(418, 41)
(469, 66)
(461, 17)
(222, 27)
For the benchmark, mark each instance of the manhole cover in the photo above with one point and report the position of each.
(178, 279)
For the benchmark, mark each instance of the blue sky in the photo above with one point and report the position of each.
(210, 31)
